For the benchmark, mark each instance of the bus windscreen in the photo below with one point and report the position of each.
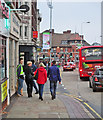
(92, 53)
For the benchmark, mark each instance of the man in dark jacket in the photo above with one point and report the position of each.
(29, 78)
(54, 76)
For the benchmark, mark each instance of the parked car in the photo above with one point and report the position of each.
(96, 79)
(68, 66)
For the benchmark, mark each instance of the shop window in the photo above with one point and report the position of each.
(3, 59)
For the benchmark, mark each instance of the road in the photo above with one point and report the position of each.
(75, 86)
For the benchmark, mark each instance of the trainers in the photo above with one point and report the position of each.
(18, 95)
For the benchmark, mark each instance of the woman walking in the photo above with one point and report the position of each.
(42, 78)
(29, 78)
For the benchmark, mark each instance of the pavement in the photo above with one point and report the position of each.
(62, 107)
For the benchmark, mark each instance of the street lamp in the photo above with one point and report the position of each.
(82, 29)
(49, 3)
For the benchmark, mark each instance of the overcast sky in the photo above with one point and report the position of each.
(70, 16)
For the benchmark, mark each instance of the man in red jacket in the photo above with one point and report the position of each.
(42, 79)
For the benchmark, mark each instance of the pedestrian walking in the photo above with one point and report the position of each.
(54, 76)
(47, 66)
(29, 78)
(20, 76)
(42, 78)
(37, 64)
(34, 67)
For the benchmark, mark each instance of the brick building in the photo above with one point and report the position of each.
(64, 46)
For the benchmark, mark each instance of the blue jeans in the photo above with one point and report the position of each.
(53, 86)
(20, 85)
(41, 86)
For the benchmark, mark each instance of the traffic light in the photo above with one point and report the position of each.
(70, 55)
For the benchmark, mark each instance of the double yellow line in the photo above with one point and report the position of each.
(85, 104)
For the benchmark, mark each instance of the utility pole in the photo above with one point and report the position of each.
(51, 7)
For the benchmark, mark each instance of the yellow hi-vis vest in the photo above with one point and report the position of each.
(21, 73)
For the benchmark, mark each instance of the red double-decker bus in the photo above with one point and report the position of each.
(90, 58)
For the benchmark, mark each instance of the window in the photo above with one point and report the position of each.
(3, 59)
(20, 31)
(61, 49)
(64, 42)
(92, 53)
(96, 72)
(26, 31)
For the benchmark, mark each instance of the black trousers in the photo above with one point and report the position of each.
(29, 88)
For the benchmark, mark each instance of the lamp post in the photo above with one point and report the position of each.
(82, 30)
(51, 7)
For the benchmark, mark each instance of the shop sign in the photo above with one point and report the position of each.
(4, 11)
(3, 91)
(35, 34)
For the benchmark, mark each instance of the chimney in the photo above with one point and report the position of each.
(81, 37)
(64, 32)
(52, 30)
(68, 31)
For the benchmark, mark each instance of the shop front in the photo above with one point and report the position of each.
(13, 51)
(4, 35)
(3, 72)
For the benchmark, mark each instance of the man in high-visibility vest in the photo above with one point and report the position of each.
(20, 75)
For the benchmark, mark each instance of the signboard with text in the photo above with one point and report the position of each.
(46, 40)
